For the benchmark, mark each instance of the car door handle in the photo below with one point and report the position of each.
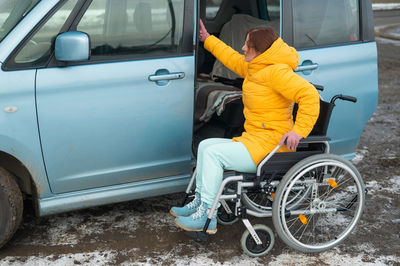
(170, 76)
(306, 67)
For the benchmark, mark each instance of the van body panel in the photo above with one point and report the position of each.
(349, 70)
(107, 124)
(112, 194)
(19, 135)
(341, 55)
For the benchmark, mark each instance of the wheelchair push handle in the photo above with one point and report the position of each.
(344, 98)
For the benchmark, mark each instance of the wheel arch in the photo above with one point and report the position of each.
(22, 175)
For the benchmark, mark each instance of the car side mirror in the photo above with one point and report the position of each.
(72, 46)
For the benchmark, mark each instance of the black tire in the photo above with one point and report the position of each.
(11, 206)
(266, 236)
(225, 218)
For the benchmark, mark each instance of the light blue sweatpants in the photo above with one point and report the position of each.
(213, 157)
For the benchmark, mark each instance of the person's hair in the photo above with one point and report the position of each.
(261, 38)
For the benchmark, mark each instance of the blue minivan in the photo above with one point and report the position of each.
(105, 101)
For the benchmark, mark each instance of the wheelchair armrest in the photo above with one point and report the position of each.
(300, 155)
(315, 139)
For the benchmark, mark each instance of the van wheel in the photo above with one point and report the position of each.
(11, 206)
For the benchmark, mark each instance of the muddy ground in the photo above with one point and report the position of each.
(142, 231)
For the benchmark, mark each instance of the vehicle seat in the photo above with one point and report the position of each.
(233, 33)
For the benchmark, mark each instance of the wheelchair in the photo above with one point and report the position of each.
(315, 198)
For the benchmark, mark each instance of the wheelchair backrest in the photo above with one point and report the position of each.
(321, 126)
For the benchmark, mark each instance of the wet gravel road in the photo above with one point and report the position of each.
(142, 231)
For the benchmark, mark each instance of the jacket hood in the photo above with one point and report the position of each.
(278, 53)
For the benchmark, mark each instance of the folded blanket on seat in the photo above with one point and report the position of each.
(213, 99)
(216, 102)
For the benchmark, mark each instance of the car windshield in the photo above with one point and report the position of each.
(11, 12)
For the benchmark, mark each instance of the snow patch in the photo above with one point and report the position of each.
(201, 259)
(395, 182)
(372, 186)
(359, 155)
(366, 256)
(392, 185)
(92, 258)
(333, 257)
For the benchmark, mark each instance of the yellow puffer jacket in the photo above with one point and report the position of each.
(270, 87)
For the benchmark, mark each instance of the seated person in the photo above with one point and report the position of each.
(270, 87)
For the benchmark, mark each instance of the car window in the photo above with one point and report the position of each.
(38, 48)
(133, 28)
(325, 22)
(11, 12)
(212, 8)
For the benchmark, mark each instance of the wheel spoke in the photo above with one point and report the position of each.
(331, 189)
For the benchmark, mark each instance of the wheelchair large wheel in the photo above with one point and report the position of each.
(328, 213)
(250, 246)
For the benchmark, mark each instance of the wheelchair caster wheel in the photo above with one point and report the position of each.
(250, 246)
(225, 218)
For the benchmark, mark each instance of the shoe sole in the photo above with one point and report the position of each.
(209, 231)
(173, 214)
